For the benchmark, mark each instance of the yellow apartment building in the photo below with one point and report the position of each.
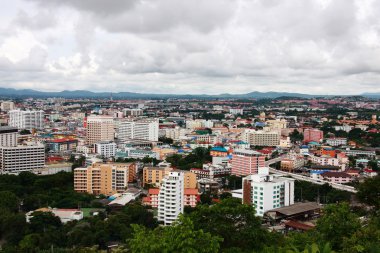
(104, 178)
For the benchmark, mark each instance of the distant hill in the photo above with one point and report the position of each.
(10, 92)
(371, 95)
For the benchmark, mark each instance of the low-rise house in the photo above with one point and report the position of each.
(65, 215)
(191, 197)
(337, 177)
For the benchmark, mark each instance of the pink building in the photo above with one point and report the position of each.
(152, 198)
(191, 197)
(246, 162)
(312, 134)
(337, 177)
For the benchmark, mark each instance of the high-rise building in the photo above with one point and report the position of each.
(8, 136)
(262, 138)
(312, 134)
(133, 112)
(138, 129)
(170, 198)
(104, 179)
(267, 192)
(246, 162)
(15, 159)
(99, 128)
(7, 106)
(26, 119)
(236, 111)
(105, 148)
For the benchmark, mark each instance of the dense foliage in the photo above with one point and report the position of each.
(195, 159)
(227, 226)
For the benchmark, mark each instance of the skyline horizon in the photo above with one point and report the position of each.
(190, 94)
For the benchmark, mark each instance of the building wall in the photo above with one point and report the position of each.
(170, 198)
(26, 119)
(246, 162)
(8, 136)
(138, 129)
(104, 179)
(312, 135)
(22, 158)
(99, 128)
(267, 192)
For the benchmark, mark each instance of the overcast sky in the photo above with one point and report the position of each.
(191, 46)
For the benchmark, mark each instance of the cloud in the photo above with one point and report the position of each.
(39, 21)
(215, 46)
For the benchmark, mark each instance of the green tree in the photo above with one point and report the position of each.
(9, 201)
(366, 239)
(180, 237)
(296, 136)
(369, 192)
(166, 140)
(336, 224)
(236, 223)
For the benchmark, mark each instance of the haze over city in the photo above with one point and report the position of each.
(191, 47)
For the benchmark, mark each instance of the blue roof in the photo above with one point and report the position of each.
(220, 149)
(262, 124)
(304, 146)
(318, 171)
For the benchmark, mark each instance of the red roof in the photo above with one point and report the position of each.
(54, 158)
(298, 225)
(154, 191)
(146, 199)
(335, 174)
(191, 191)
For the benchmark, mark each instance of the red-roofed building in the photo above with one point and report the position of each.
(370, 173)
(191, 197)
(54, 159)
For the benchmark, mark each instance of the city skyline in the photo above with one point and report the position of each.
(214, 47)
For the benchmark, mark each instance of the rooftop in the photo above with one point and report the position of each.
(297, 208)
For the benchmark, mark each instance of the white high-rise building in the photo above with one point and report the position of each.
(26, 119)
(105, 148)
(174, 133)
(170, 198)
(100, 128)
(138, 129)
(267, 192)
(21, 158)
(199, 123)
(261, 137)
(236, 111)
(8, 136)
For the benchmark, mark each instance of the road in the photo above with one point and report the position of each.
(308, 179)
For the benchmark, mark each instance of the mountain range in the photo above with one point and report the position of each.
(22, 93)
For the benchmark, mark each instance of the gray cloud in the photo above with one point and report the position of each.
(210, 46)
